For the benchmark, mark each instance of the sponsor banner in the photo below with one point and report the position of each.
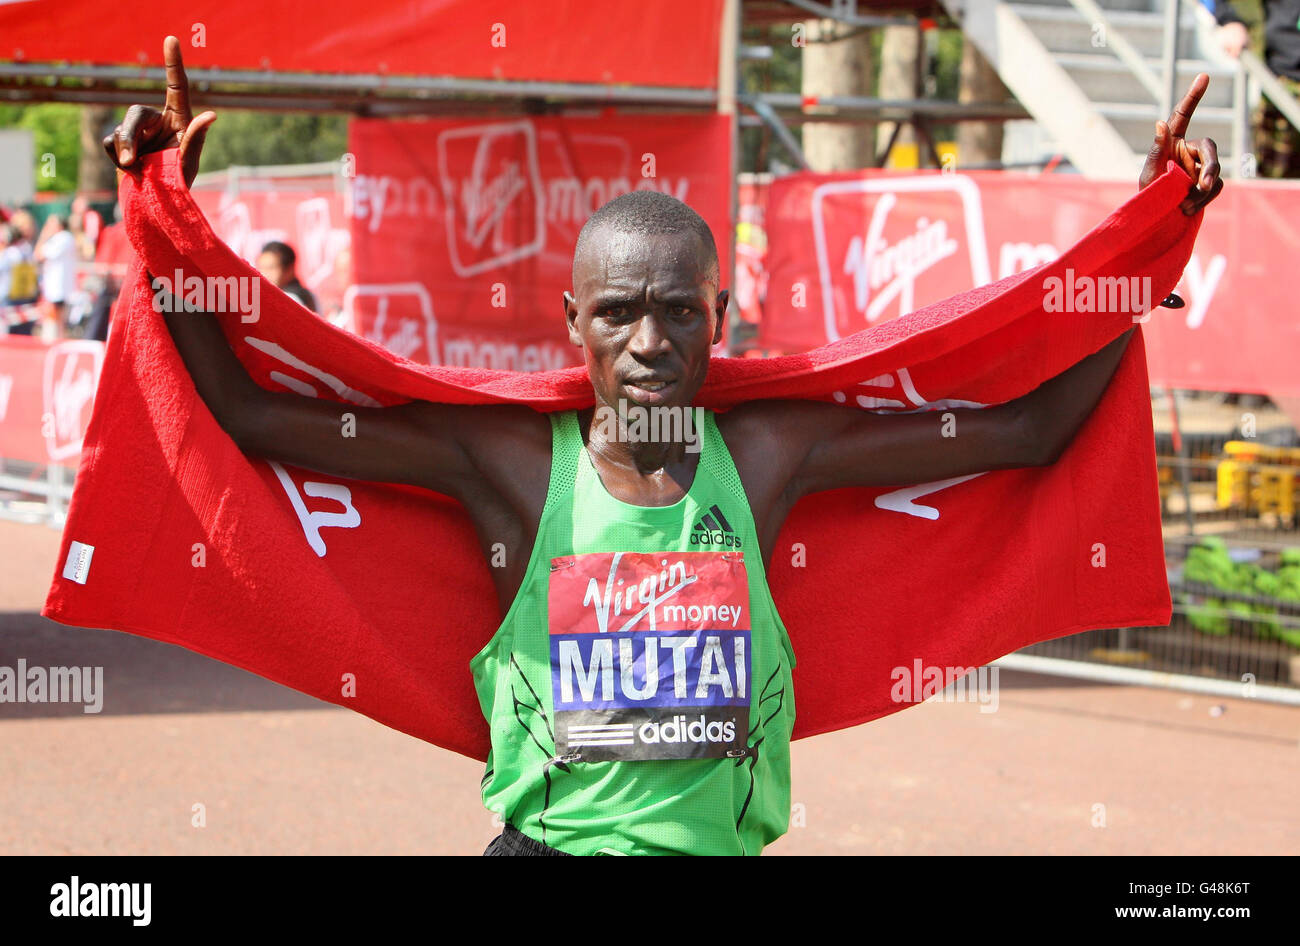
(309, 213)
(650, 654)
(463, 231)
(46, 393)
(674, 44)
(849, 251)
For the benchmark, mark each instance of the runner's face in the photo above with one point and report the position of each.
(645, 308)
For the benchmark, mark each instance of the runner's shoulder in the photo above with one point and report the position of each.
(502, 456)
(768, 440)
(773, 423)
(510, 434)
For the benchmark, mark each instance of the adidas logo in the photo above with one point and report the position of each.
(714, 530)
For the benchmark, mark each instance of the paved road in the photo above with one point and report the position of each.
(1060, 767)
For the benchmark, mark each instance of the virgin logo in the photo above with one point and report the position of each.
(616, 592)
(883, 271)
(490, 177)
(914, 225)
(71, 374)
(398, 316)
(484, 203)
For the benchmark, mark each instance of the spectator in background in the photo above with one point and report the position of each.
(112, 256)
(84, 224)
(7, 237)
(1277, 141)
(18, 283)
(56, 251)
(276, 263)
(26, 225)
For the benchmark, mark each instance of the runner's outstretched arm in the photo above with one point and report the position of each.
(418, 443)
(850, 447)
(837, 447)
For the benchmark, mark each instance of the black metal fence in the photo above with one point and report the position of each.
(1228, 495)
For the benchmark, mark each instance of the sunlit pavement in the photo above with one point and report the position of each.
(1060, 768)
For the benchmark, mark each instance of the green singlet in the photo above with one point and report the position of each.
(639, 689)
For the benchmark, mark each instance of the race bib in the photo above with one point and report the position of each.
(650, 655)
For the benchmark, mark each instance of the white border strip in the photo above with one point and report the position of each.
(1152, 678)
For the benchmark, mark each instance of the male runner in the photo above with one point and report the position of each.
(641, 555)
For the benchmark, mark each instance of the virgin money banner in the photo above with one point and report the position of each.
(46, 392)
(463, 231)
(846, 251)
(308, 213)
(668, 43)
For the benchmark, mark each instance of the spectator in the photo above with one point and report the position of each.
(26, 225)
(17, 268)
(18, 278)
(7, 237)
(111, 258)
(56, 251)
(85, 225)
(1277, 141)
(276, 263)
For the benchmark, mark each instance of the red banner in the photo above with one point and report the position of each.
(849, 250)
(308, 213)
(46, 392)
(463, 232)
(670, 43)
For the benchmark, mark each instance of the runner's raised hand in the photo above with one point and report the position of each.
(145, 130)
(1200, 159)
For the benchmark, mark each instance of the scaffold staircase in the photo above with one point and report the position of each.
(1095, 75)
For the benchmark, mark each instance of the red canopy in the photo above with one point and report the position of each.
(671, 43)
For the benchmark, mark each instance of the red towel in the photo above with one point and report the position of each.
(196, 544)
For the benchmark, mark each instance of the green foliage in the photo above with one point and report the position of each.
(947, 66)
(947, 74)
(1208, 562)
(240, 136)
(56, 130)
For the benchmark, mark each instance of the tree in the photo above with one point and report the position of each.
(94, 171)
(838, 61)
(979, 142)
(245, 137)
(55, 129)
